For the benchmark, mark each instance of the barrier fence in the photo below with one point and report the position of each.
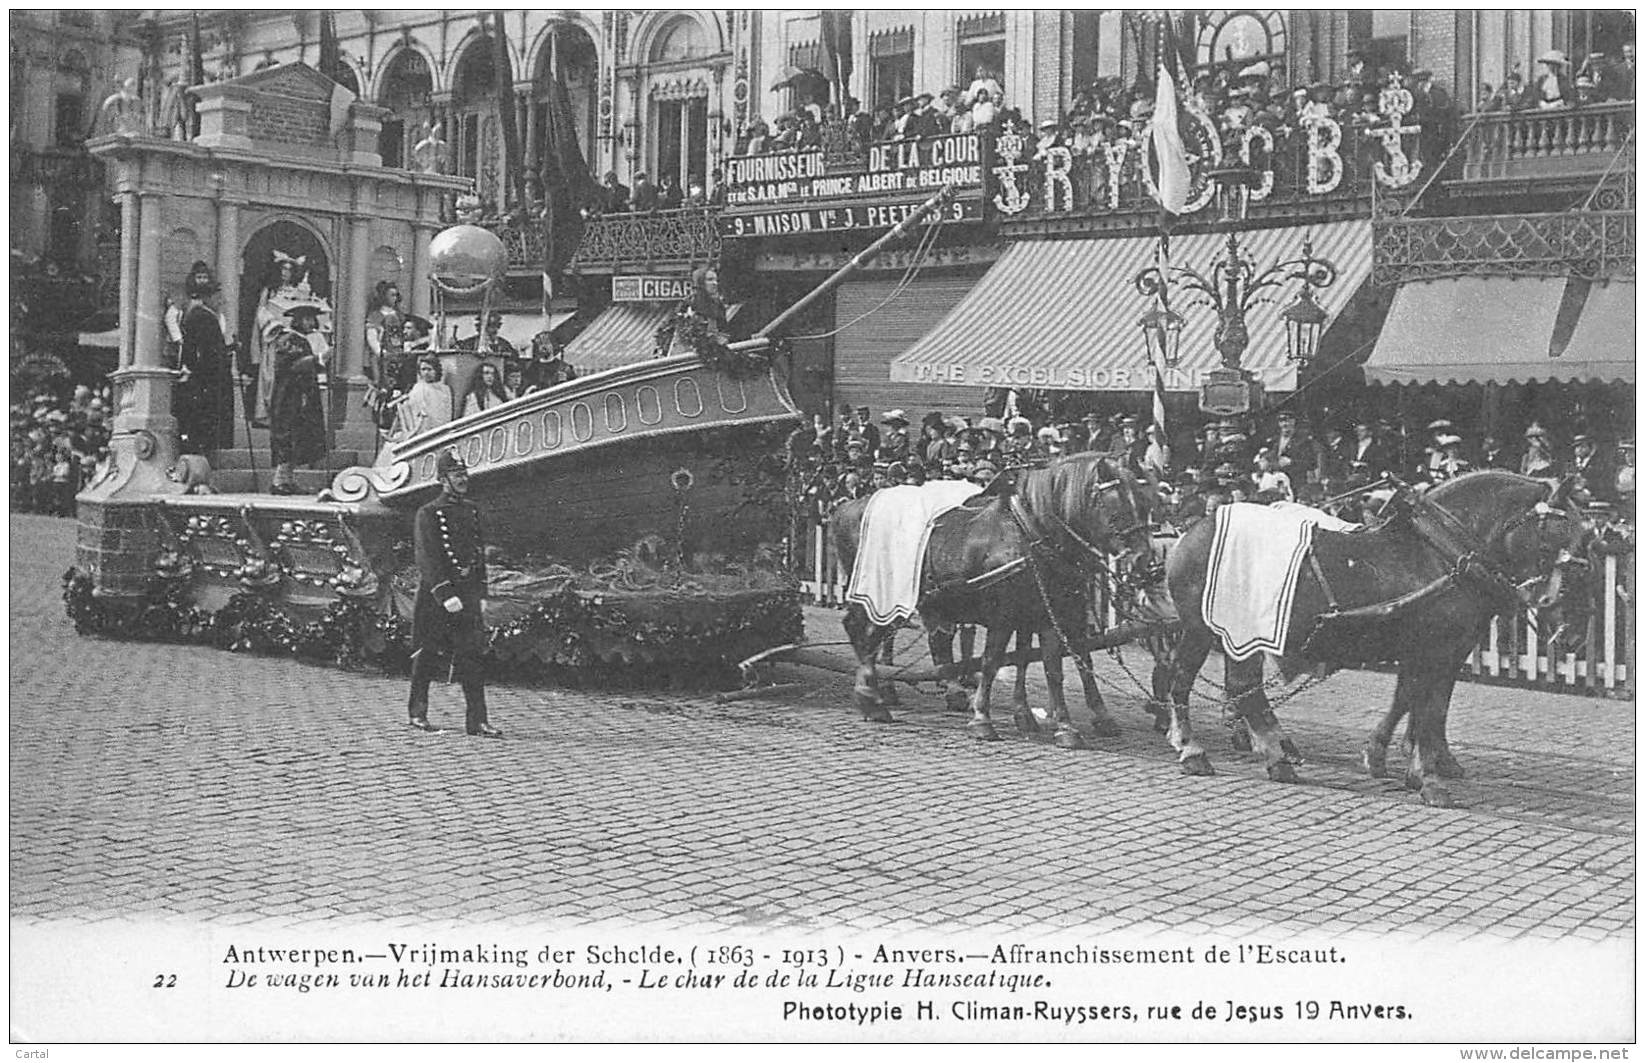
(1515, 649)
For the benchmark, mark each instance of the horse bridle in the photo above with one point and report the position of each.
(1473, 562)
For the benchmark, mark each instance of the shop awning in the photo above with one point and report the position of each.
(1502, 330)
(624, 334)
(1062, 314)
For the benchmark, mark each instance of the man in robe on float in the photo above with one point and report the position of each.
(297, 424)
(288, 287)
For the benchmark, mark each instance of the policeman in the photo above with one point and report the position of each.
(451, 581)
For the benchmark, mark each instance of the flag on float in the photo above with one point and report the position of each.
(1174, 177)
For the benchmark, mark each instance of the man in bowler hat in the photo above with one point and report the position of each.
(451, 581)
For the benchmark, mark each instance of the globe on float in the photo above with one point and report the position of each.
(466, 259)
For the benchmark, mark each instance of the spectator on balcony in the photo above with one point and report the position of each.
(1619, 77)
(645, 193)
(946, 108)
(695, 197)
(859, 124)
(615, 194)
(716, 187)
(985, 110)
(985, 81)
(1551, 88)
(1587, 92)
(759, 138)
(808, 134)
(669, 196)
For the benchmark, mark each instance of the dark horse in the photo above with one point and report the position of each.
(998, 562)
(1419, 589)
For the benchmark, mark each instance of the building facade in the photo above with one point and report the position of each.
(687, 96)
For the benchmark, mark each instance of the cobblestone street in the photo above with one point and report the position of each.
(152, 780)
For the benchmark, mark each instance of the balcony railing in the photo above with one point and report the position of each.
(684, 237)
(1569, 141)
(1593, 244)
(523, 240)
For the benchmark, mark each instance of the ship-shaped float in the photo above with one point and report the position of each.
(657, 464)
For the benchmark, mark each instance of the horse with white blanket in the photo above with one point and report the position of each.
(1017, 557)
(1418, 589)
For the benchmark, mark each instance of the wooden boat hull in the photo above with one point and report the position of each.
(581, 470)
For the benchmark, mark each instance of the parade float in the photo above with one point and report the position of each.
(635, 515)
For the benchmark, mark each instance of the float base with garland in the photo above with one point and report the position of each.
(636, 516)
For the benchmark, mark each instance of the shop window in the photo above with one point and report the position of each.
(407, 87)
(1389, 46)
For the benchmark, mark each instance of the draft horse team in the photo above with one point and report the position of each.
(1417, 586)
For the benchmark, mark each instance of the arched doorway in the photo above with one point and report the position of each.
(258, 273)
(571, 54)
(407, 92)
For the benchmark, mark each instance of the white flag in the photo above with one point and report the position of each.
(1173, 157)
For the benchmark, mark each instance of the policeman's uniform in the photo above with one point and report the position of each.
(450, 548)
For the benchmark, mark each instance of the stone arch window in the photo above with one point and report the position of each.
(1241, 37)
(572, 54)
(406, 90)
(475, 136)
(70, 106)
(680, 41)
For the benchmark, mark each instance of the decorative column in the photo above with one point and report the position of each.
(228, 300)
(422, 298)
(350, 420)
(128, 276)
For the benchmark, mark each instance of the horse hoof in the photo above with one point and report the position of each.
(1375, 759)
(1241, 737)
(1027, 723)
(1198, 764)
(1447, 767)
(1282, 772)
(888, 694)
(1068, 738)
(957, 701)
(1413, 781)
(1293, 755)
(867, 703)
(1437, 796)
(983, 730)
(1105, 727)
(877, 714)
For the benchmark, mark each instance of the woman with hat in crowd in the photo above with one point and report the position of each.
(1550, 89)
(297, 423)
(1539, 460)
(894, 444)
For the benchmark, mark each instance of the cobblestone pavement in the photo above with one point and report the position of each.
(162, 781)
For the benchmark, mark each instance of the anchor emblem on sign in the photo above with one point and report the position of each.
(1396, 102)
(1009, 148)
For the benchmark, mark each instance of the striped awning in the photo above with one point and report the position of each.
(1062, 314)
(1502, 330)
(624, 334)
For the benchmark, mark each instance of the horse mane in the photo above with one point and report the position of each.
(1066, 488)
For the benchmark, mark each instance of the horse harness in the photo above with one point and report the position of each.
(1467, 567)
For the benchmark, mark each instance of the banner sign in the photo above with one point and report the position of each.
(802, 219)
(647, 288)
(794, 192)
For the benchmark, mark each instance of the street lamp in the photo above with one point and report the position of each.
(1162, 335)
(1233, 289)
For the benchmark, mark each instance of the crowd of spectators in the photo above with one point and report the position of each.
(1197, 469)
(55, 446)
(1599, 78)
